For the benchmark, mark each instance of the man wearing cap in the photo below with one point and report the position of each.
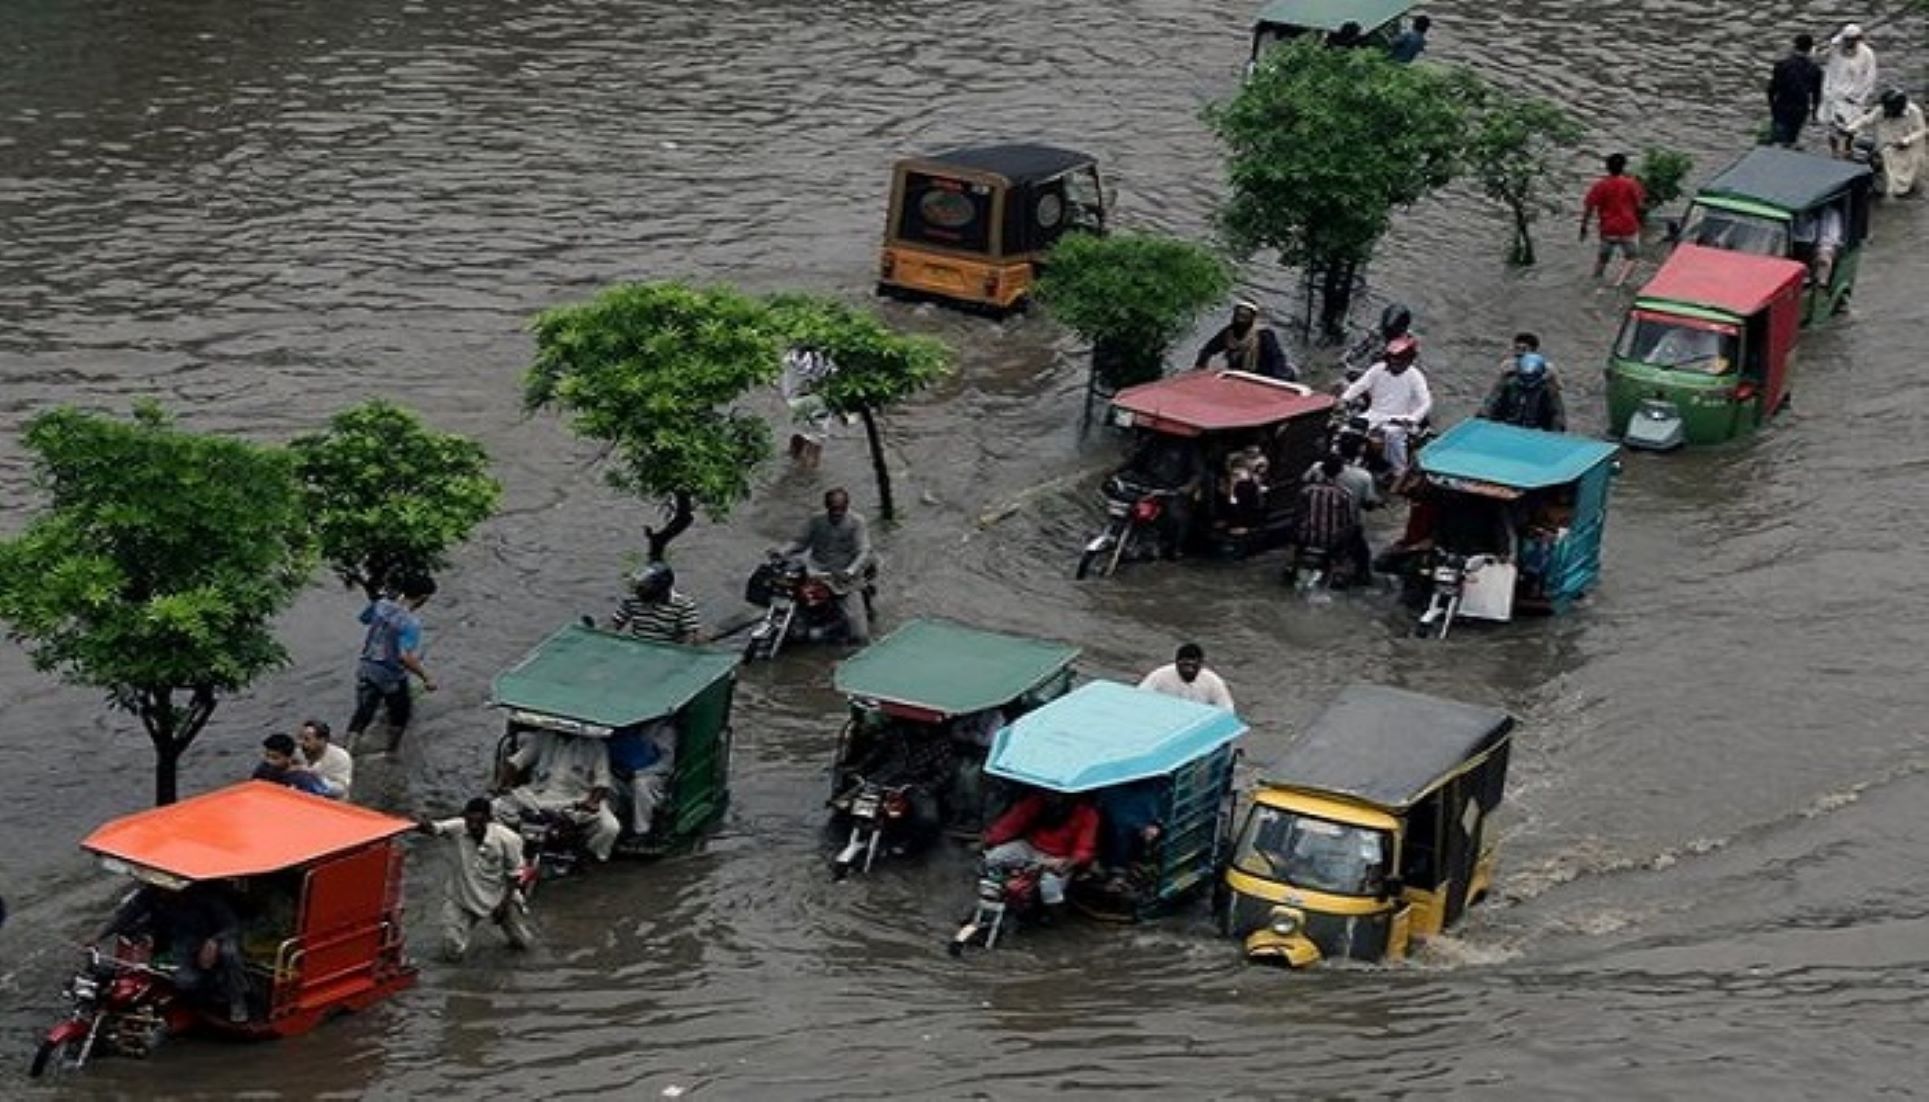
(1848, 85)
(1248, 346)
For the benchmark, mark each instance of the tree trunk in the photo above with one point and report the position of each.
(167, 767)
(682, 513)
(1336, 299)
(172, 732)
(1522, 254)
(886, 509)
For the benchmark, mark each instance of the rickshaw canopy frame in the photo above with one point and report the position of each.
(246, 829)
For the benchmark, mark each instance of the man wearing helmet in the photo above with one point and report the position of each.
(1248, 346)
(1527, 394)
(655, 610)
(1896, 127)
(1398, 399)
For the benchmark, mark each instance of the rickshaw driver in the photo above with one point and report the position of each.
(198, 927)
(1053, 831)
(923, 760)
(1248, 346)
(1398, 398)
(568, 776)
(839, 544)
(1329, 518)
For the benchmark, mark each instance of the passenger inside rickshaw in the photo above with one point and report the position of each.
(1165, 462)
(1130, 827)
(1817, 239)
(1476, 524)
(1680, 344)
(1549, 513)
(1736, 232)
(643, 772)
(1248, 475)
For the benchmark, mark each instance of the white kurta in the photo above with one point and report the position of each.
(1848, 84)
(1207, 688)
(1901, 141)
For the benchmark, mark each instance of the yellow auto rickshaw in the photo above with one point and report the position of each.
(1373, 829)
(971, 225)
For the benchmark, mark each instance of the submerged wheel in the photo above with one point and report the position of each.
(1085, 562)
(57, 1056)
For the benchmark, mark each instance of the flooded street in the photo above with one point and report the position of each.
(260, 212)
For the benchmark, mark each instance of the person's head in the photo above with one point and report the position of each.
(1400, 354)
(1395, 321)
(1422, 24)
(278, 751)
(654, 582)
(1352, 446)
(1245, 313)
(837, 503)
(1055, 808)
(1331, 466)
(1617, 163)
(475, 817)
(416, 589)
(1850, 38)
(1894, 102)
(312, 738)
(1190, 659)
(1532, 368)
(1804, 43)
(1526, 342)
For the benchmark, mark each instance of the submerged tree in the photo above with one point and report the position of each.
(653, 370)
(1511, 145)
(873, 367)
(388, 496)
(158, 568)
(1323, 145)
(1662, 173)
(1130, 295)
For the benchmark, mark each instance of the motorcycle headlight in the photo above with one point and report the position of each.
(1284, 921)
(83, 987)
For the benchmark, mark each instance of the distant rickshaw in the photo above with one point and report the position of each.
(973, 225)
(312, 886)
(602, 686)
(1156, 770)
(1374, 829)
(1285, 20)
(1516, 518)
(1705, 352)
(925, 702)
(1779, 203)
(1216, 462)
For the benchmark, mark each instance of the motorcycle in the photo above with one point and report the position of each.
(1350, 422)
(1002, 894)
(120, 1004)
(799, 605)
(1133, 513)
(879, 816)
(1449, 573)
(1310, 573)
(1395, 321)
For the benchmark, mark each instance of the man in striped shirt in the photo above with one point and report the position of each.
(655, 610)
(1329, 517)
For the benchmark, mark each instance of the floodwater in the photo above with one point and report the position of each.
(259, 211)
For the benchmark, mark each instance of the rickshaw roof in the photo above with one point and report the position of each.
(1216, 401)
(1785, 178)
(245, 829)
(1739, 283)
(1388, 747)
(1104, 733)
(1507, 455)
(1018, 163)
(1331, 15)
(609, 679)
(946, 667)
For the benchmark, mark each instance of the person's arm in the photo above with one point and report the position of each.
(1360, 385)
(1272, 358)
(863, 559)
(1556, 405)
(1490, 406)
(408, 644)
(368, 613)
(689, 628)
(1152, 680)
(1424, 397)
(1814, 92)
(1592, 200)
(599, 779)
(1221, 695)
(801, 543)
(1211, 348)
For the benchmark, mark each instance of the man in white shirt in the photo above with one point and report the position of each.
(484, 870)
(1848, 86)
(568, 776)
(1397, 395)
(331, 764)
(1188, 679)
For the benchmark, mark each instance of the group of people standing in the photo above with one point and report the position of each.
(1841, 92)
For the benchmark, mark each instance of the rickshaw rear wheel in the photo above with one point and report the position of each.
(1085, 565)
(58, 1056)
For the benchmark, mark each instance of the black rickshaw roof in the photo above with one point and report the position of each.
(1018, 164)
(1785, 178)
(1388, 747)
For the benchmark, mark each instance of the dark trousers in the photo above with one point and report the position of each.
(370, 694)
(1786, 129)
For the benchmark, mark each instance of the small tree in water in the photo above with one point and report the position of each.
(1323, 145)
(653, 370)
(1511, 145)
(874, 367)
(1662, 173)
(158, 569)
(1130, 295)
(390, 497)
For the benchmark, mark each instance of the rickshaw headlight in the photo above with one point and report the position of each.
(1284, 921)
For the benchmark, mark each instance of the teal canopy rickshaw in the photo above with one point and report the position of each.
(1285, 20)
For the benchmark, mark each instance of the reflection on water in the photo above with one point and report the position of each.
(261, 211)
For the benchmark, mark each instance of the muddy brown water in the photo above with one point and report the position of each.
(261, 211)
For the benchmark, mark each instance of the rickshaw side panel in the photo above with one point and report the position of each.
(1578, 563)
(1195, 828)
(349, 942)
(702, 773)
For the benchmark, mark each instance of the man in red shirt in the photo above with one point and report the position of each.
(1618, 198)
(1057, 832)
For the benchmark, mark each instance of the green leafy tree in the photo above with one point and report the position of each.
(653, 370)
(1511, 146)
(390, 497)
(1131, 295)
(1662, 173)
(1323, 145)
(157, 569)
(876, 367)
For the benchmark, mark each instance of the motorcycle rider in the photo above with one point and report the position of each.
(1528, 395)
(1055, 831)
(569, 777)
(1329, 520)
(655, 610)
(1398, 398)
(838, 544)
(920, 758)
(1248, 345)
(198, 927)
(1896, 127)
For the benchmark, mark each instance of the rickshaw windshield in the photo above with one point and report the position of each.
(1312, 853)
(1679, 344)
(1736, 232)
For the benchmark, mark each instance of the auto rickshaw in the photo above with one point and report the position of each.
(1216, 462)
(1511, 521)
(1158, 771)
(1779, 203)
(1375, 828)
(972, 225)
(1704, 353)
(1285, 20)
(588, 683)
(313, 888)
(929, 695)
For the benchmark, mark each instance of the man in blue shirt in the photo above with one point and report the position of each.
(1409, 44)
(278, 767)
(391, 651)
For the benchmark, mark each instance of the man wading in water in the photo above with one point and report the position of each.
(1248, 346)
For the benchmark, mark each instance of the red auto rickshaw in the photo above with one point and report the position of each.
(309, 891)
